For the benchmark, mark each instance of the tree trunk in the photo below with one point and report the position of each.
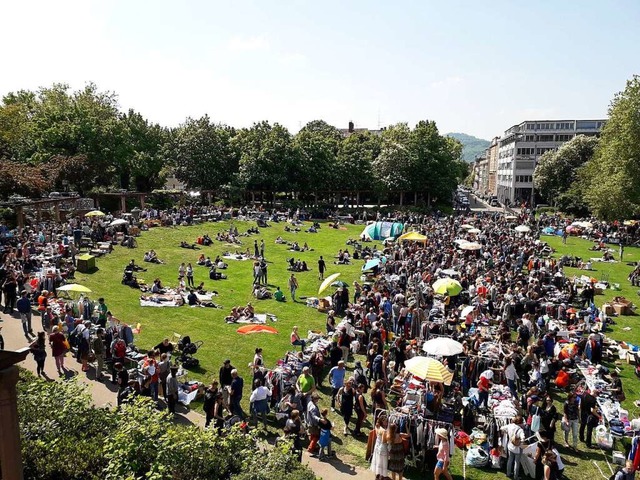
(401, 198)
(415, 198)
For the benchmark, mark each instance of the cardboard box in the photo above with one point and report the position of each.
(608, 309)
(620, 308)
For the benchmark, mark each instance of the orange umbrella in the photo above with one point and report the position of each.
(247, 329)
(572, 310)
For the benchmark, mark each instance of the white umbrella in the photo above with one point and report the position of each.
(118, 221)
(466, 311)
(522, 229)
(474, 230)
(466, 226)
(471, 246)
(510, 217)
(450, 272)
(460, 241)
(442, 346)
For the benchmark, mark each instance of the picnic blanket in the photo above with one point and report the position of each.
(233, 256)
(159, 300)
(201, 298)
(258, 318)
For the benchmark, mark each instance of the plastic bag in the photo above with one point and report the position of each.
(477, 457)
(603, 437)
(535, 423)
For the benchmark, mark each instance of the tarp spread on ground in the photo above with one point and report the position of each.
(382, 230)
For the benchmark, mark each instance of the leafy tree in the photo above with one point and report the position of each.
(355, 161)
(201, 153)
(318, 144)
(145, 159)
(611, 180)
(556, 173)
(393, 167)
(269, 158)
(18, 178)
(64, 437)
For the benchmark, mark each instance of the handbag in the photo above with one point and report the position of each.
(535, 423)
(564, 425)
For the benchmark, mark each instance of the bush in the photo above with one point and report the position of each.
(64, 437)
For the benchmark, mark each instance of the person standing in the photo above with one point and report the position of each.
(347, 398)
(313, 423)
(235, 394)
(322, 267)
(102, 313)
(293, 286)
(396, 451)
(305, 386)
(58, 348)
(259, 401)
(621, 250)
(97, 345)
(570, 420)
(361, 408)
(225, 380)
(515, 435)
(379, 459)
(210, 396)
(336, 379)
(122, 377)
(262, 248)
(150, 369)
(9, 289)
(256, 252)
(172, 389)
(24, 308)
(189, 272)
(39, 352)
(587, 403)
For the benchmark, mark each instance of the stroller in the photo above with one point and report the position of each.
(187, 349)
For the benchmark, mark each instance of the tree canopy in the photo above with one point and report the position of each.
(556, 174)
(611, 180)
(56, 138)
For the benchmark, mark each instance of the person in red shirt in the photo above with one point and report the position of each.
(562, 379)
(150, 370)
(484, 383)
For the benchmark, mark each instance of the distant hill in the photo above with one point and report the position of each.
(471, 146)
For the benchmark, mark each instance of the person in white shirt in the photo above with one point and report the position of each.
(259, 401)
(515, 442)
(511, 375)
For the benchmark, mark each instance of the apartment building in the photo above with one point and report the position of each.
(520, 147)
(481, 173)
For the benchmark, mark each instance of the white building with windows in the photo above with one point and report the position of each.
(521, 146)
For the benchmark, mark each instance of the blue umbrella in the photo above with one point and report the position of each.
(549, 231)
(371, 264)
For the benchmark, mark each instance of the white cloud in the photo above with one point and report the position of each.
(447, 82)
(248, 44)
(293, 58)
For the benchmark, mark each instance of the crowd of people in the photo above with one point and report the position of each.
(511, 315)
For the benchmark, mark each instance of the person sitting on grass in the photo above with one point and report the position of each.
(261, 293)
(202, 260)
(234, 316)
(279, 295)
(152, 257)
(192, 298)
(191, 246)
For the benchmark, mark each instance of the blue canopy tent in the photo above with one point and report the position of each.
(382, 230)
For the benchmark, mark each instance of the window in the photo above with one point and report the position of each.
(563, 138)
(529, 138)
(545, 138)
(586, 125)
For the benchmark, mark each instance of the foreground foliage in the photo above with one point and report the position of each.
(65, 437)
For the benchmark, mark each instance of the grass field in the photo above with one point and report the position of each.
(221, 340)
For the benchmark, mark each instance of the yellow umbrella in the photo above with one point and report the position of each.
(327, 281)
(413, 237)
(74, 287)
(428, 369)
(447, 285)
(94, 213)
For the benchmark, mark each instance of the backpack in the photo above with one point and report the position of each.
(119, 349)
(515, 439)
(361, 379)
(614, 476)
(524, 333)
(376, 366)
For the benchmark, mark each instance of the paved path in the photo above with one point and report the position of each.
(103, 394)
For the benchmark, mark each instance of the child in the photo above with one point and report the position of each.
(325, 435)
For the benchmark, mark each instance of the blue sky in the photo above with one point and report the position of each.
(473, 67)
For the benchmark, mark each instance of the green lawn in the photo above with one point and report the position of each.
(221, 340)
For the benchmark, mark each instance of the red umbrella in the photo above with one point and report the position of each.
(247, 329)
(482, 290)
(572, 310)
